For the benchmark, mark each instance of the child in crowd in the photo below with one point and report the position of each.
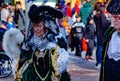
(89, 35)
(10, 23)
(77, 35)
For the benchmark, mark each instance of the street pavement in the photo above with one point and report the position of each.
(81, 69)
(78, 68)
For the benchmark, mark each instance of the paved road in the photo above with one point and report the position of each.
(81, 69)
(78, 68)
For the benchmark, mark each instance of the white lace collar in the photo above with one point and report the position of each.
(41, 44)
(114, 47)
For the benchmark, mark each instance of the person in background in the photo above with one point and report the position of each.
(77, 35)
(57, 6)
(69, 10)
(63, 7)
(4, 12)
(110, 69)
(10, 22)
(86, 11)
(19, 16)
(3, 24)
(90, 35)
(67, 27)
(76, 8)
(62, 29)
(101, 26)
(11, 9)
(2, 31)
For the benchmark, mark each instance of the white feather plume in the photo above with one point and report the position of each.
(11, 39)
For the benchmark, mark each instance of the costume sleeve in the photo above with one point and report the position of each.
(59, 60)
(62, 60)
(23, 63)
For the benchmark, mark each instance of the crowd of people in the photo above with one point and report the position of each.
(85, 21)
(44, 50)
(13, 15)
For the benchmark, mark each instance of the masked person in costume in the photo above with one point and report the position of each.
(43, 56)
(110, 70)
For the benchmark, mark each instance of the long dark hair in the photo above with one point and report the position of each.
(101, 8)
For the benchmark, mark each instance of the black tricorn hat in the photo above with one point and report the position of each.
(43, 12)
(114, 7)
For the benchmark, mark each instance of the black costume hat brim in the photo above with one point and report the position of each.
(114, 7)
(44, 12)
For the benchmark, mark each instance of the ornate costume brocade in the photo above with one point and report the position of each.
(45, 67)
(107, 37)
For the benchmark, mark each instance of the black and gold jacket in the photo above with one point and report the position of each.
(107, 38)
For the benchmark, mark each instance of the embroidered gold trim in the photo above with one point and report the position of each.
(40, 53)
(54, 61)
(105, 56)
(43, 79)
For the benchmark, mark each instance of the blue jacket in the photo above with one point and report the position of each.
(10, 25)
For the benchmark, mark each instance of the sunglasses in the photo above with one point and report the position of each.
(116, 17)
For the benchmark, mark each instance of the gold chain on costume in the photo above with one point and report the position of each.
(17, 77)
(43, 79)
(40, 53)
(103, 64)
(104, 61)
